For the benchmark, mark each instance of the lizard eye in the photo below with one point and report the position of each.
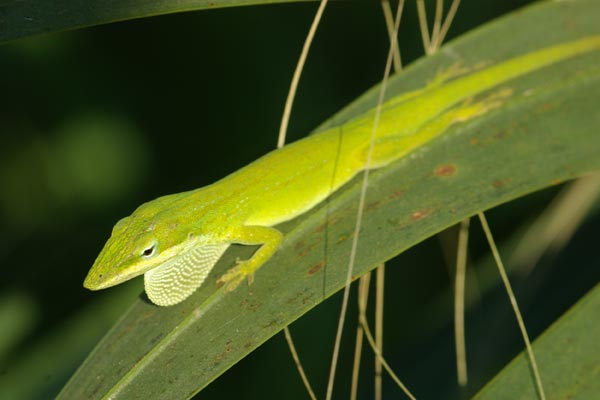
(149, 251)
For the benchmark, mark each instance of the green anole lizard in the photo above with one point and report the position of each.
(176, 240)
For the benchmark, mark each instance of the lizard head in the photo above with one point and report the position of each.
(137, 244)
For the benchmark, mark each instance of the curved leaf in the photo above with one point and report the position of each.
(23, 18)
(568, 353)
(545, 134)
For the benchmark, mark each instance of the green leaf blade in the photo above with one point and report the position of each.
(546, 133)
(568, 354)
(21, 19)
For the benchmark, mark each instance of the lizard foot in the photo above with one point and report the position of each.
(236, 275)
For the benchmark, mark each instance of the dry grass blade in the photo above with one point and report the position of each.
(359, 214)
(424, 26)
(556, 225)
(297, 73)
(437, 37)
(432, 43)
(281, 141)
(513, 302)
(387, 12)
(431, 46)
(389, 24)
(292, 347)
(447, 22)
(386, 366)
(380, 282)
(363, 297)
(459, 302)
(437, 22)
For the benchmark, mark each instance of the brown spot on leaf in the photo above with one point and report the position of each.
(501, 134)
(330, 221)
(304, 295)
(343, 238)
(445, 170)
(302, 248)
(396, 194)
(276, 320)
(373, 206)
(321, 227)
(500, 183)
(316, 268)
(250, 305)
(228, 346)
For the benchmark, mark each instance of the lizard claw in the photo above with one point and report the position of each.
(235, 276)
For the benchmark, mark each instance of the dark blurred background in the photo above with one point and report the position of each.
(97, 121)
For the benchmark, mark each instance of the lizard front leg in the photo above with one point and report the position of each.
(269, 239)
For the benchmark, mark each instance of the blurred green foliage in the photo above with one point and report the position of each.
(95, 122)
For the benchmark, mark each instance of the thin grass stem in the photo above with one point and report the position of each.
(384, 363)
(437, 24)
(292, 347)
(447, 22)
(380, 286)
(363, 297)
(423, 25)
(287, 111)
(513, 302)
(359, 214)
(281, 141)
(459, 302)
(388, 16)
